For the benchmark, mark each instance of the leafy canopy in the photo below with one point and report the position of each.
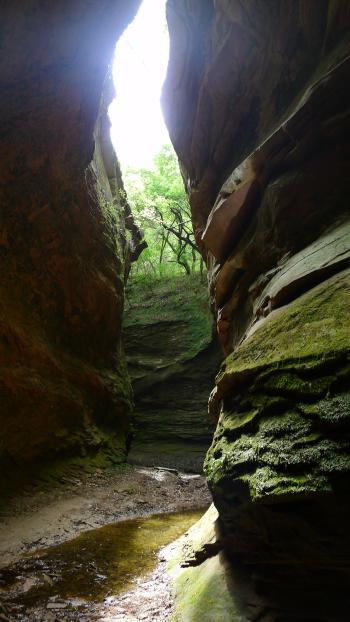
(160, 207)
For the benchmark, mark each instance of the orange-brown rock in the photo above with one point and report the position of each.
(241, 109)
(228, 219)
(261, 91)
(63, 243)
(227, 89)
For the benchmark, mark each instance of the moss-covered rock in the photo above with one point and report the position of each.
(279, 464)
(202, 593)
(309, 332)
(264, 151)
(299, 354)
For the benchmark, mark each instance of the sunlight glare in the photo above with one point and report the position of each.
(141, 57)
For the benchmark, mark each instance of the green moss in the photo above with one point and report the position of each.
(178, 306)
(285, 448)
(266, 404)
(202, 593)
(288, 423)
(231, 422)
(250, 451)
(108, 455)
(268, 484)
(288, 452)
(250, 410)
(314, 327)
(334, 462)
(335, 409)
(114, 233)
(332, 411)
(225, 457)
(202, 532)
(289, 442)
(289, 384)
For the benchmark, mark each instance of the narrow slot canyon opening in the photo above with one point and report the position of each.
(93, 540)
(110, 339)
(171, 351)
(139, 67)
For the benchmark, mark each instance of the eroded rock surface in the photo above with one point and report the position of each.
(65, 235)
(257, 103)
(172, 360)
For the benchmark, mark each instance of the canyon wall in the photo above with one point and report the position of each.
(257, 102)
(66, 236)
(172, 358)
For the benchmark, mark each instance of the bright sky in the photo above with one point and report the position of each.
(140, 62)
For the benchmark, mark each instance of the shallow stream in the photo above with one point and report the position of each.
(92, 566)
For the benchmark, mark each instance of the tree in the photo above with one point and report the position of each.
(160, 207)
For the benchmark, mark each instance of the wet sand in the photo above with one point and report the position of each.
(50, 517)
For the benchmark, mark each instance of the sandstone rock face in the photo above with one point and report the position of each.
(257, 102)
(65, 235)
(172, 360)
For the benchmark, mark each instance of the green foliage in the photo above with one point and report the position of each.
(160, 207)
(169, 300)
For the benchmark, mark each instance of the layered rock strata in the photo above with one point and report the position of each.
(172, 359)
(257, 102)
(66, 236)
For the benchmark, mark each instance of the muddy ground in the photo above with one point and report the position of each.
(51, 516)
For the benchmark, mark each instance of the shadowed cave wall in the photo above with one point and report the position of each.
(66, 238)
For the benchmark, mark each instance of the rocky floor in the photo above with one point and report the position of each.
(149, 599)
(49, 517)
